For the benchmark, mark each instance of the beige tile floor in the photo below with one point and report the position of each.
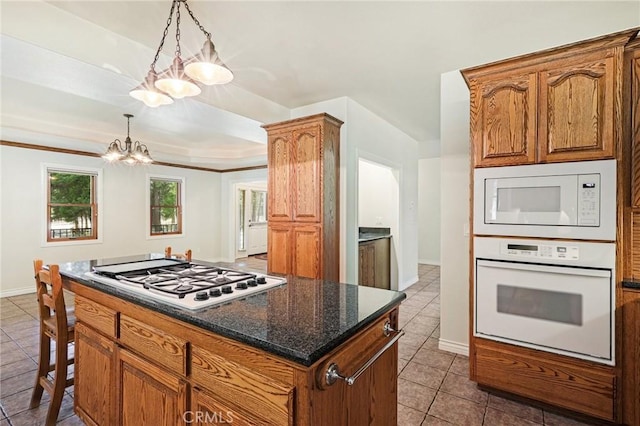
(433, 388)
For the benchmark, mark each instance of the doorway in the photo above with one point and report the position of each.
(379, 206)
(251, 220)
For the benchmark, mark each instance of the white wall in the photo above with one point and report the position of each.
(377, 196)
(123, 215)
(454, 247)
(365, 135)
(429, 209)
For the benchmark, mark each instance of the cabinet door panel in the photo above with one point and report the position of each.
(635, 128)
(279, 249)
(306, 260)
(94, 389)
(367, 265)
(503, 119)
(279, 186)
(149, 395)
(631, 357)
(306, 165)
(577, 110)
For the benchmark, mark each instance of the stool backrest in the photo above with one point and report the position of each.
(50, 295)
(186, 256)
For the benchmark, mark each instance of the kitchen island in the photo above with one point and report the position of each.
(270, 358)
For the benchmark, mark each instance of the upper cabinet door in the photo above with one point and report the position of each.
(307, 174)
(577, 101)
(279, 189)
(503, 120)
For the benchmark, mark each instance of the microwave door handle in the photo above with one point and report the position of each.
(555, 269)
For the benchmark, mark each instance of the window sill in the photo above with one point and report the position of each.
(70, 243)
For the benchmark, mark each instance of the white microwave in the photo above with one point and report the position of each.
(558, 200)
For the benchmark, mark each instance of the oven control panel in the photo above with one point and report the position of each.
(540, 251)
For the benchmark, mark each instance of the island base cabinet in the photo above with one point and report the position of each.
(148, 395)
(371, 400)
(94, 389)
(206, 410)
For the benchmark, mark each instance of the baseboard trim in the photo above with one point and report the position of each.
(408, 283)
(455, 347)
(429, 262)
(17, 292)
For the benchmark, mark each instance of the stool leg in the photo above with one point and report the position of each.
(59, 382)
(43, 369)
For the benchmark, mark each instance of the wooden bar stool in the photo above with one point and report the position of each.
(58, 324)
(186, 256)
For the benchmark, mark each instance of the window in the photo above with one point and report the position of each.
(165, 203)
(72, 209)
(258, 206)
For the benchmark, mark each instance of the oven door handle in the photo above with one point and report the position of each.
(554, 269)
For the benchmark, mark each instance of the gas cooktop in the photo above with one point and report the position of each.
(183, 284)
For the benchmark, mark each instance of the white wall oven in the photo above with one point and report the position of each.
(558, 200)
(548, 295)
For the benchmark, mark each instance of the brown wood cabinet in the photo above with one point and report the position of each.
(563, 104)
(631, 357)
(148, 393)
(633, 55)
(94, 391)
(504, 117)
(571, 103)
(303, 197)
(156, 370)
(374, 267)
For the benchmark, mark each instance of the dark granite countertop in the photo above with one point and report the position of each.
(629, 283)
(300, 321)
(369, 234)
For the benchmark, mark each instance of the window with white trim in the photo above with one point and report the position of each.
(165, 205)
(72, 207)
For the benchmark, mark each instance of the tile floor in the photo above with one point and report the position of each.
(433, 388)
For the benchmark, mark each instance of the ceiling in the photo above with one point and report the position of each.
(67, 66)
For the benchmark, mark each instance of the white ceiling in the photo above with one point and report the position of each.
(59, 63)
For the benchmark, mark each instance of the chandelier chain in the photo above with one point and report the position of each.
(178, 31)
(206, 33)
(164, 35)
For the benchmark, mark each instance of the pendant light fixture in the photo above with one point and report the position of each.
(180, 79)
(131, 153)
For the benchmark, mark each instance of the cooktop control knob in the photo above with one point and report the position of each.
(261, 280)
(241, 286)
(252, 283)
(227, 289)
(202, 295)
(215, 292)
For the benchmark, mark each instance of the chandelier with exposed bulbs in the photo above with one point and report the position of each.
(180, 79)
(130, 153)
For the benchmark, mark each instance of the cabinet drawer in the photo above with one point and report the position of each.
(207, 410)
(167, 350)
(578, 387)
(99, 317)
(267, 400)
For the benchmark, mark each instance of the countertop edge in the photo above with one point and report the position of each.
(273, 349)
(372, 238)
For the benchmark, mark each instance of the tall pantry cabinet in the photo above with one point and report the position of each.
(303, 197)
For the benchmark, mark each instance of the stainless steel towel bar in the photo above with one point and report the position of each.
(333, 371)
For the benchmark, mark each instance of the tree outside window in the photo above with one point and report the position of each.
(71, 206)
(165, 205)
